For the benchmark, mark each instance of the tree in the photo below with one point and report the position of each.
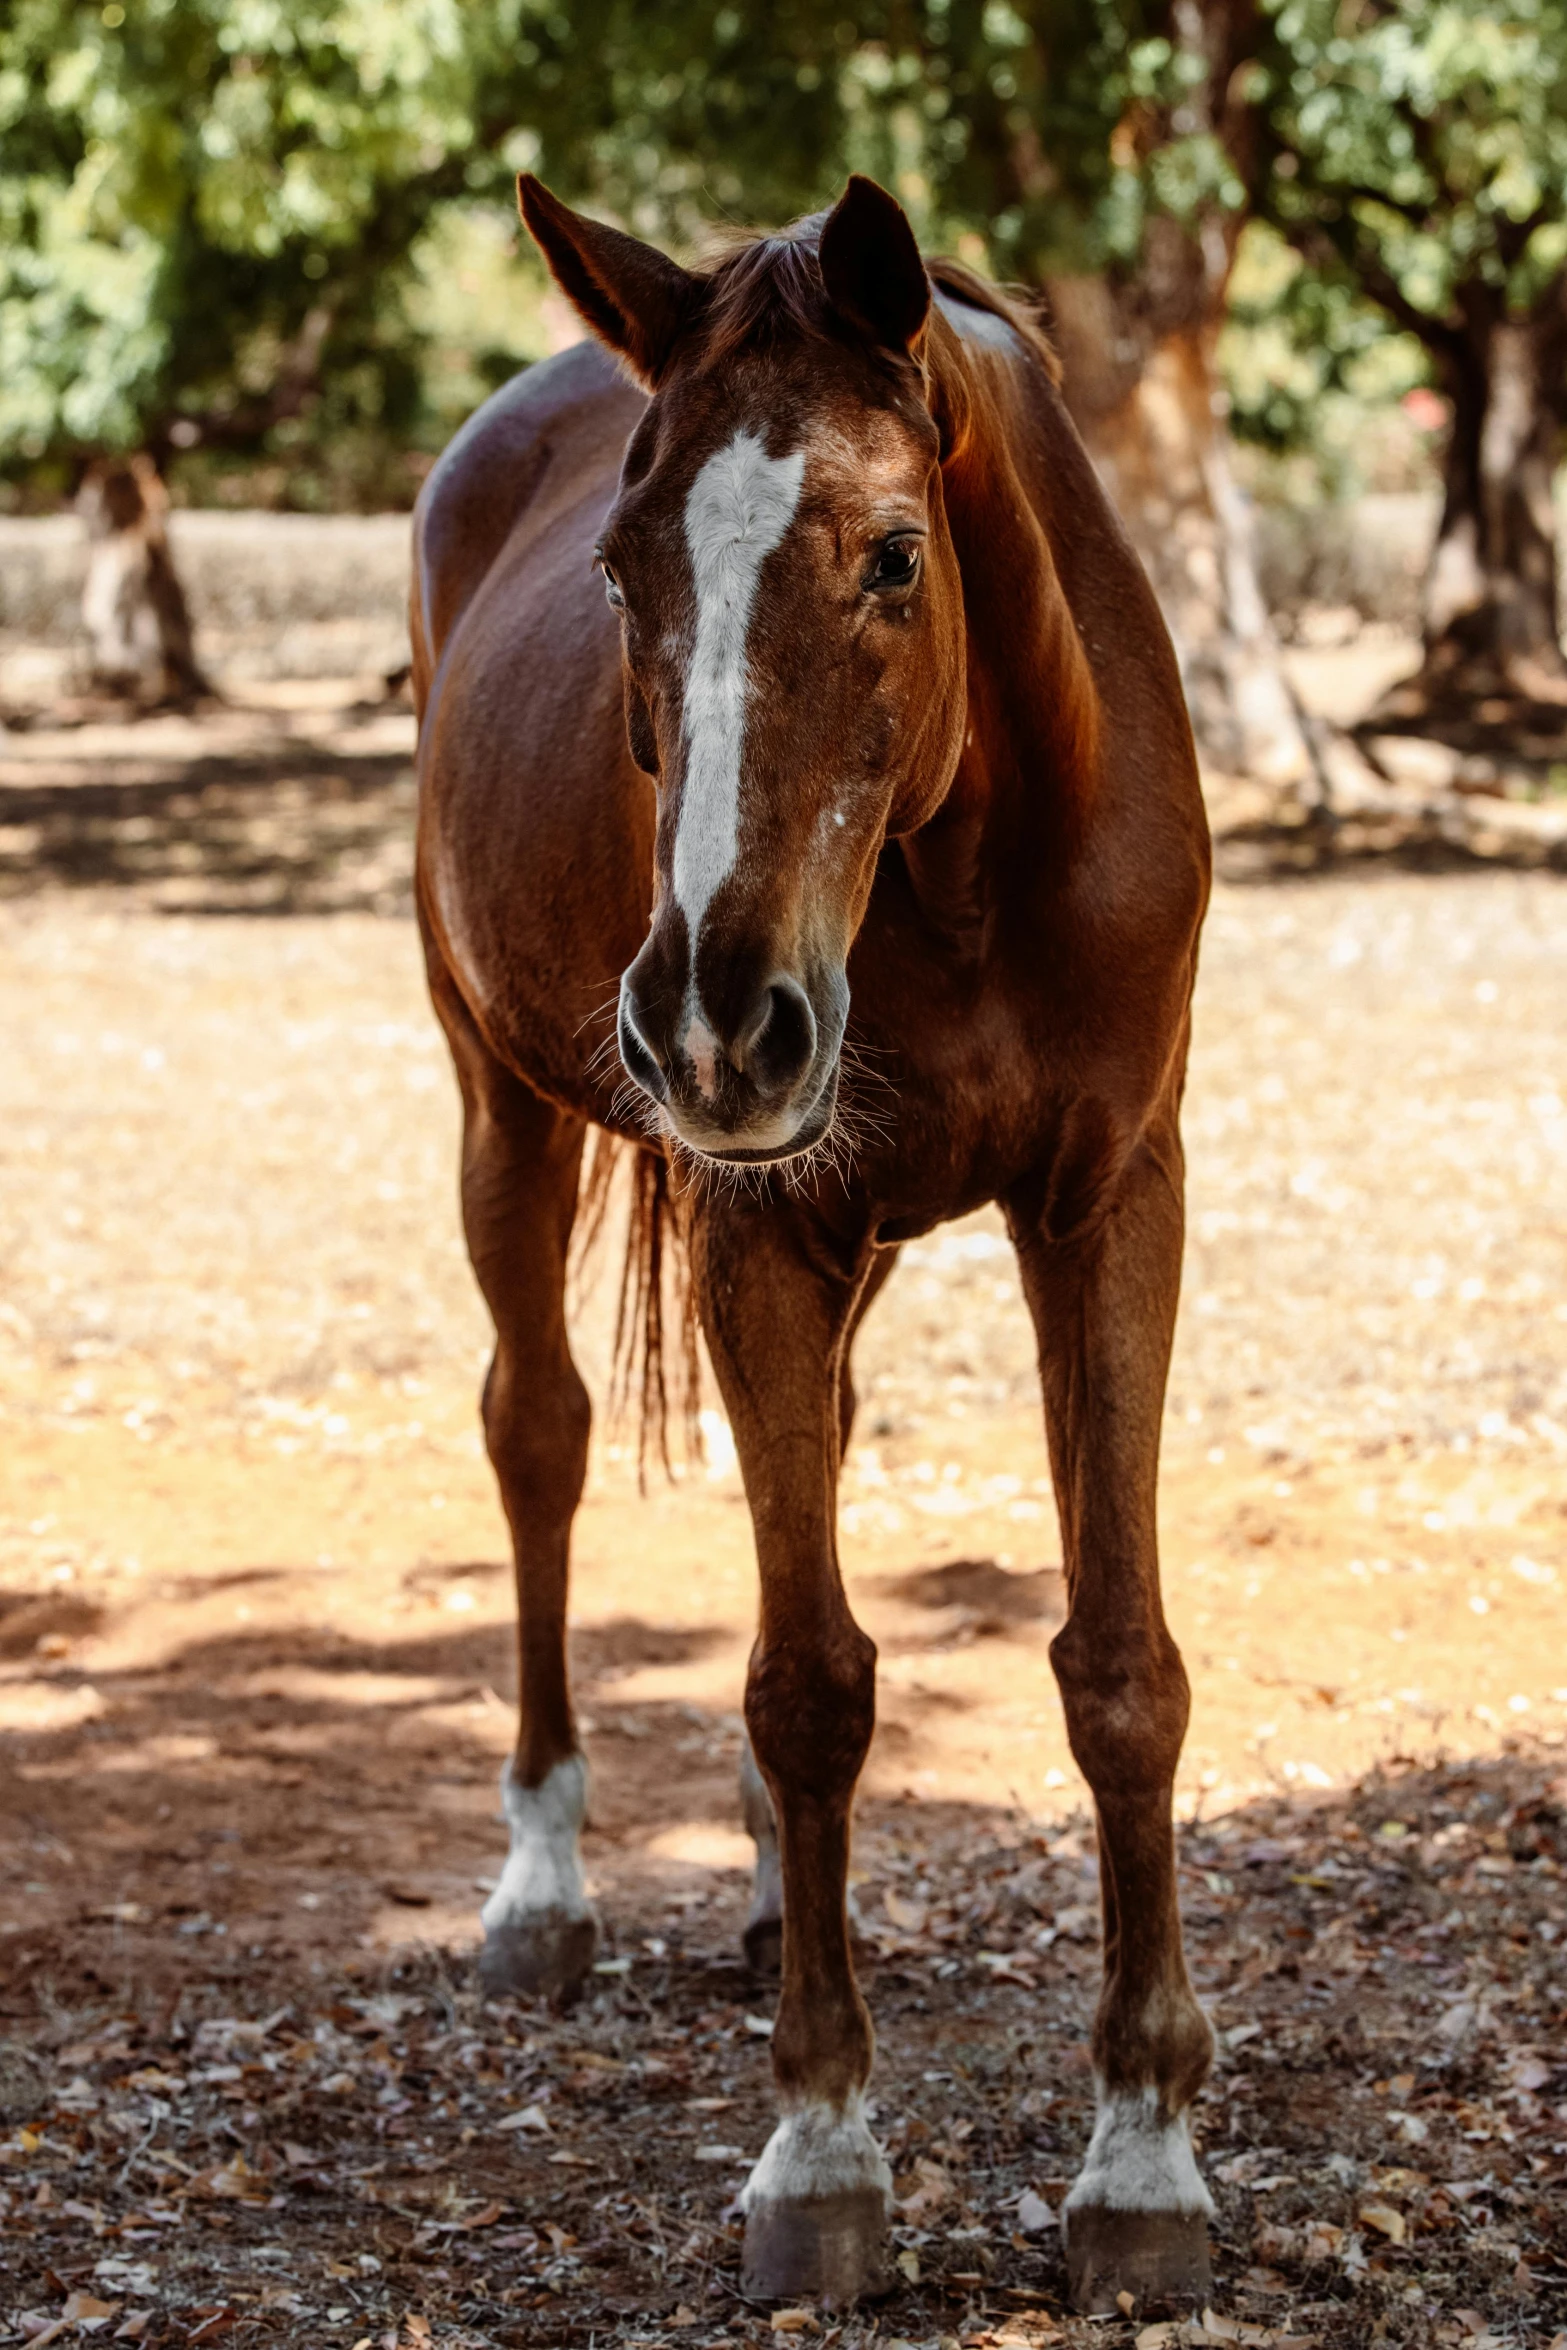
(207, 215)
(1103, 149)
(212, 219)
(133, 603)
(1160, 188)
(1417, 153)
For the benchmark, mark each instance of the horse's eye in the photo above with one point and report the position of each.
(896, 566)
(612, 587)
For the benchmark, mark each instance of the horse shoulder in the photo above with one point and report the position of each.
(545, 429)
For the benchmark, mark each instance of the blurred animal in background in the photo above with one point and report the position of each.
(807, 799)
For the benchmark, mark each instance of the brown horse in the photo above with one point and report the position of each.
(869, 730)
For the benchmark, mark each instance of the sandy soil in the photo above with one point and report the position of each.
(254, 1651)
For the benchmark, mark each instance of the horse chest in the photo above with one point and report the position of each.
(948, 1113)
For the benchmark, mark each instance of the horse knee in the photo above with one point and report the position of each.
(536, 1432)
(1126, 1699)
(810, 1709)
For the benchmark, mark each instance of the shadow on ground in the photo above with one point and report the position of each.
(267, 822)
(282, 827)
(1445, 838)
(246, 2069)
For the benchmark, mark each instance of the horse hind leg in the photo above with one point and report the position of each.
(521, 1159)
(762, 1937)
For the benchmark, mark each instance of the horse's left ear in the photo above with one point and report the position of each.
(871, 265)
(633, 297)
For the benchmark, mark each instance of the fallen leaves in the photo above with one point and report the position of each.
(1211, 2328)
(1034, 2215)
(527, 2117)
(212, 2323)
(365, 2112)
(231, 2182)
(929, 2189)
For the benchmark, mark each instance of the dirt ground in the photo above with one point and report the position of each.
(255, 1659)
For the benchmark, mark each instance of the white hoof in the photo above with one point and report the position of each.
(1138, 2160)
(816, 2209)
(539, 1929)
(819, 2150)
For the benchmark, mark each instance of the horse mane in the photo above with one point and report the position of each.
(1025, 312)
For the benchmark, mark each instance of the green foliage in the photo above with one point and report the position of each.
(280, 231)
(1314, 379)
(1419, 148)
(247, 227)
(208, 216)
(992, 119)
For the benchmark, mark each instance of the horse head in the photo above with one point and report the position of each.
(792, 634)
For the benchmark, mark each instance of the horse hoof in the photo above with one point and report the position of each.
(545, 1957)
(762, 1943)
(1154, 2256)
(830, 2248)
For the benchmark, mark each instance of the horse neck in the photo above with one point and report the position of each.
(1025, 782)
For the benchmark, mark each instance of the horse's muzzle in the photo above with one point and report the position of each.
(764, 1090)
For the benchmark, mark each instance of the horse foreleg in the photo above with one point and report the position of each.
(520, 1164)
(776, 1317)
(1104, 1305)
(763, 1935)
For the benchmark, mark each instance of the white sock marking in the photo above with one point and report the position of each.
(1138, 2162)
(818, 2150)
(543, 1873)
(737, 511)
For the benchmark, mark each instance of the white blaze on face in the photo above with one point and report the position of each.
(738, 509)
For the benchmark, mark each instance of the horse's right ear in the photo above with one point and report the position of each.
(633, 297)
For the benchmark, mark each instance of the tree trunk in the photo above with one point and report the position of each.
(133, 605)
(1491, 613)
(1147, 407)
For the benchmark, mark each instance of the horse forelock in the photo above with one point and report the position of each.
(762, 291)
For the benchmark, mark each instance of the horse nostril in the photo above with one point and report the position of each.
(642, 1063)
(779, 1041)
